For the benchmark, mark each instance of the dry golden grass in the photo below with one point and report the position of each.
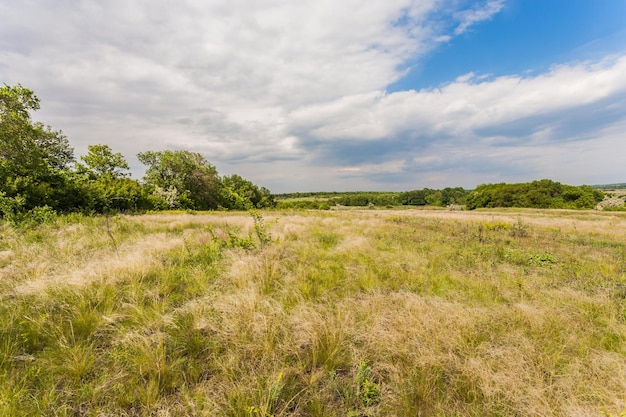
(361, 313)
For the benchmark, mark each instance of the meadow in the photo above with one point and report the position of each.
(315, 313)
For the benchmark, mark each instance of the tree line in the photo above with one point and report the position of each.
(38, 169)
(325, 200)
(536, 194)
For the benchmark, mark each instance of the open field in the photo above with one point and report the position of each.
(335, 313)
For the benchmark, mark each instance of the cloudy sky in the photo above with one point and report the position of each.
(335, 95)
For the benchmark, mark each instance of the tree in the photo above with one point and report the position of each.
(195, 179)
(239, 193)
(537, 194)
(106, 182)
(117, 194)
(34, 159)
(413, 198)
(100, 161)
(28, 148)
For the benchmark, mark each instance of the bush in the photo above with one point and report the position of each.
(302, 205)
(536, 194)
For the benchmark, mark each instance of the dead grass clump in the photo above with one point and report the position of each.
(135, 259)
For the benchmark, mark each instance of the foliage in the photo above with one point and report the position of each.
(183, 179)
(195, 179)
(28, 148)
(323, 201)
(615, 208)
(260, 228)
(36, 171)
(430, 197)
(100, 161)
(241, 194)
(612, 202)
(32, 156)
(617, 186)
(365, 199)
(368, 390)
(537, 194)
(165, 199)
(13, 213)
(303, 204)
(230, 199)
(109, 193)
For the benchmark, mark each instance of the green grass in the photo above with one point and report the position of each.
(355, 313)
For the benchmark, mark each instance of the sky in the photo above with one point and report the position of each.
(342, 95)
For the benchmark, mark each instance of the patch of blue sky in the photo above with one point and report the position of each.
(526, 38)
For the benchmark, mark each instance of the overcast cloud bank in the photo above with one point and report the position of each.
(294, 95)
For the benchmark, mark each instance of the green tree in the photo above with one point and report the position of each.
(27, 147)
(194, 178)
(413, 198)
(34, 159)
(117, 194)
(537, 194)
(105, 181)
(248, 195)
(100, 161)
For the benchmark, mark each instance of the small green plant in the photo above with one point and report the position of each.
(368, 391)
(11, 211)
(40, 215)
(11, 208)
(260, 228)
(235, 241)
(541, 259)
(496, 225)
(329, 240)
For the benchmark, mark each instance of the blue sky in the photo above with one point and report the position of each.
(526, 36)
(335, 95)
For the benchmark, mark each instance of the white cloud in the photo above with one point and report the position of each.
(463, 106)
(231, 70)
(477, 129)
(477, 13)
(271, 89)
(465, 77)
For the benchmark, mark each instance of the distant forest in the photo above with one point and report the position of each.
(607, 187)
(324, 200)
(536, 194)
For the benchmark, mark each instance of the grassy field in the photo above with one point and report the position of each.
(336, 313)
